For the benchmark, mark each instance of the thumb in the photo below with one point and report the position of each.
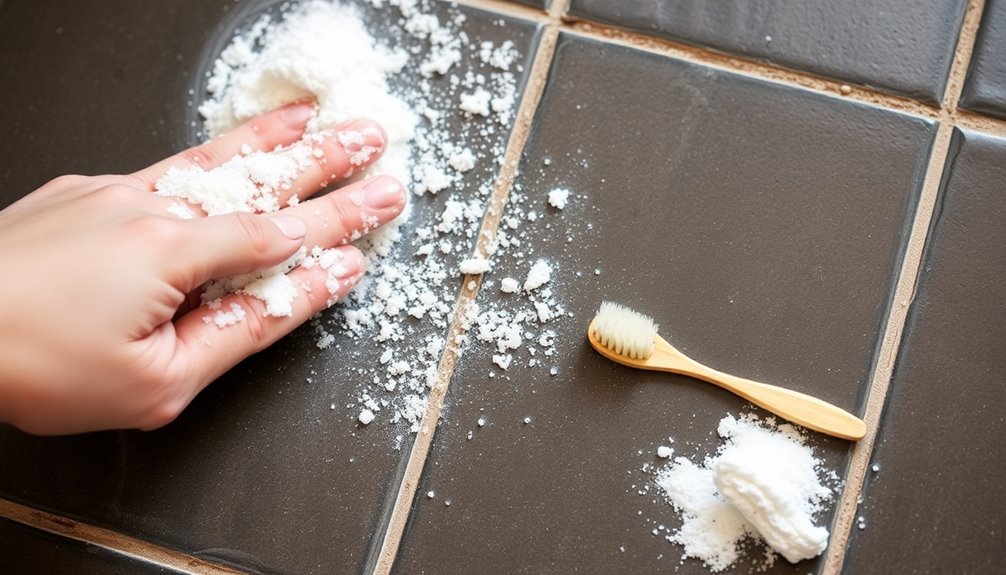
(237, 243)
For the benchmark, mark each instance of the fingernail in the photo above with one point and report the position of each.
(383, 192)
(362, 133)
(345, 273)
(293, 228)
(296, 115)
(353, 263)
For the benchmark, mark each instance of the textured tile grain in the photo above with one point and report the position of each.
(760, 225)
(28, 551)
(985, 88)
(898, 46)
(935, 503)
(260, 471)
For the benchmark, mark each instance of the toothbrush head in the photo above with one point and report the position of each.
(623, 331)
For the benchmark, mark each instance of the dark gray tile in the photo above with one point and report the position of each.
(95, 88)
(761, 225)
(28, 551)
(935, 504)
(535, 3)
(985, 88)
(259, 471)
(897, 46)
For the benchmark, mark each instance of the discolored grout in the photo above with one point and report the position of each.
(534, 88)
(975, 121)
(905, 291)
(112, 541)
(751, 68)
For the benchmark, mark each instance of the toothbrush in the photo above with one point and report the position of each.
(630, 338)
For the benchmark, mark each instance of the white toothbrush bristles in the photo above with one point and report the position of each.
(624, 331)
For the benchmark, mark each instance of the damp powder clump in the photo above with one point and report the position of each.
(764, 484)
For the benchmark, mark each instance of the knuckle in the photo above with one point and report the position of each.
(256, 237)
(114, 194)
(256, 326)
(163, 414)
(204, 156)
(68, 181)
(156, 230)
(348, 215)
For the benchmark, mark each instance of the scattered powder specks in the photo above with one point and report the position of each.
(476, 103)
(539, 275)
(462, 161)
(366, 416)
(558, 198)
(474, 266)
(509, 285)
(222, 319)
(446, 103)
(277, 291)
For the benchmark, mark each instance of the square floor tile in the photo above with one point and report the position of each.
(985, 89)
(260, 471)
(28, 551)
(761, 225)
(934, 504)
(898, 46)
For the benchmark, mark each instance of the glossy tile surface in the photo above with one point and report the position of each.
(261, 471)
(760, 225)
(27, 551)
(985, 89)
(935, 503)
(898, 46)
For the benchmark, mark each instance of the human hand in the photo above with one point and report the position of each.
(98, 325)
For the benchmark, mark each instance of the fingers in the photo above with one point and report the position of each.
(350, 212)
(233, 244)
(211, 341)
(338, 153)
(279, 127)
(238, 243)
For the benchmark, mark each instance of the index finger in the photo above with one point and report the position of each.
(279, 127)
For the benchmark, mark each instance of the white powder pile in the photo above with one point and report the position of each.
(763, 484)
(322, 51)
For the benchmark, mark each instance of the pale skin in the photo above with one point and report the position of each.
(101, 325)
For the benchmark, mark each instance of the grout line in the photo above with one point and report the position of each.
(905, 291)
(751, 68)
(556, 19)
(535, 87)
(559, 9)
(112, 541)
(505, 8)
(974, 121)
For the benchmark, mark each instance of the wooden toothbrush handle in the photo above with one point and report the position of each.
(797, 407)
